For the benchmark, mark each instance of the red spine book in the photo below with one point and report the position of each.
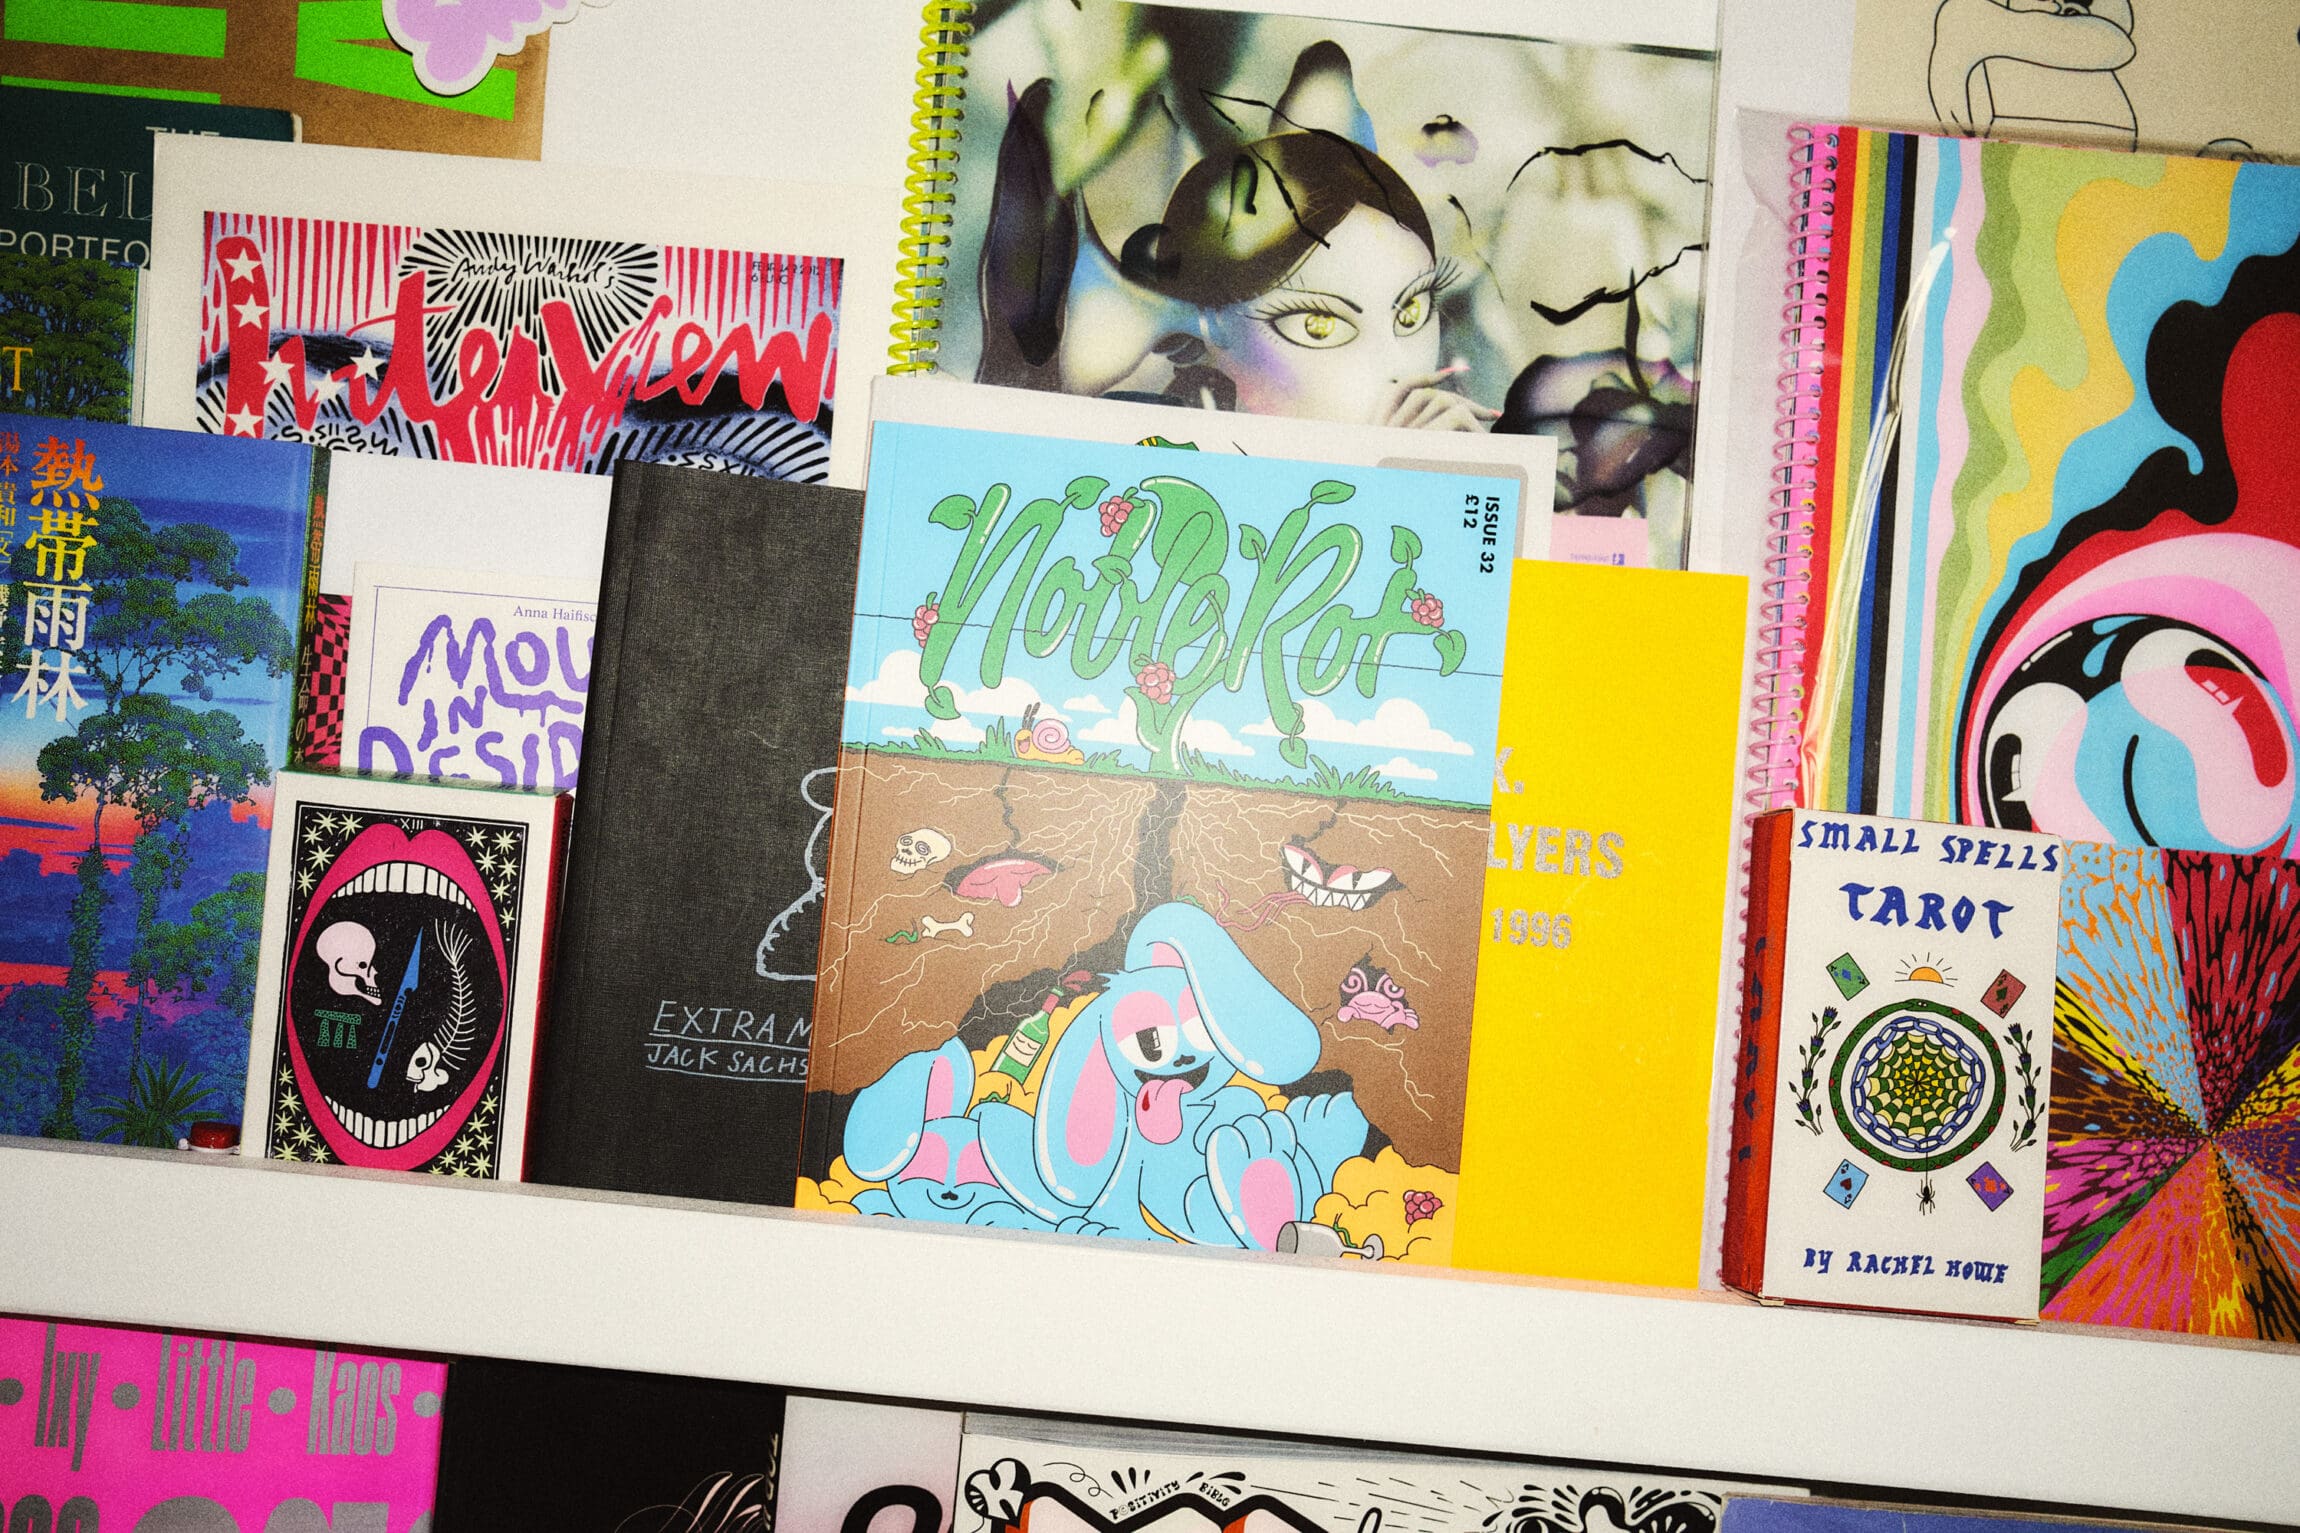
(1748, 1183)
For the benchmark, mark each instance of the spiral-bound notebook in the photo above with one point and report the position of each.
(1343, 220)
(2036, 515)
(2032, 531)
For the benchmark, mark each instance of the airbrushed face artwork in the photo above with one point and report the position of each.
(395, 992)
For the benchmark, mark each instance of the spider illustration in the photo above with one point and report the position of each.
(1925, 1197)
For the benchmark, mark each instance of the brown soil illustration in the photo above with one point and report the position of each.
(1115, 846)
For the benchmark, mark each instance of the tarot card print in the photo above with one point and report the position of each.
(528, 350)
(400, 962)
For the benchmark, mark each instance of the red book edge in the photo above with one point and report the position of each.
(1749, 1173)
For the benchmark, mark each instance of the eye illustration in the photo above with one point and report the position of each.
(1412, 312)
(1312, 326)
(1148, 1048)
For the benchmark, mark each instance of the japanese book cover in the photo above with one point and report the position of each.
(542, 316)
(405, 931)
(1604, 926)
(128, 1428)
(147, 628)
(452, 634)
(541, 1445)
(1894, 1070)
(2172, 1197)
(685, 985)
(1021, 1474)
(1337, 219)
(847, 1461)
(1164, 791)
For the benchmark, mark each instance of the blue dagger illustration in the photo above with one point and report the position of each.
(398, 1005)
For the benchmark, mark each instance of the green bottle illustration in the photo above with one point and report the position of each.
(1023, 1045)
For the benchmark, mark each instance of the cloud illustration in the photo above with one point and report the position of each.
(1202, 735)
(952, 732)
(1398, 724)
(1400, 766)
(897, 686)
(455, 42)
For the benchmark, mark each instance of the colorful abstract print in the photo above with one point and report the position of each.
(2085, 613)
(527, 350)
(2173, 1196)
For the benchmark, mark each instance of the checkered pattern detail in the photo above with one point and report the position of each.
(323, 692)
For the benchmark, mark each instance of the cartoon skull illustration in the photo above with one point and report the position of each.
(348, 950)
(919, 849)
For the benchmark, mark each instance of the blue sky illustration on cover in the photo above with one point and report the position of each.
(152, 588)
(1147, 609)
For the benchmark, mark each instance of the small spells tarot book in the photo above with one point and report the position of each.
(397, 994)
(1895, 1066)
(1163, 799)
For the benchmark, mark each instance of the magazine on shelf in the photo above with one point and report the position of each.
(1155, 764)
(491, 311)
(1345, 220)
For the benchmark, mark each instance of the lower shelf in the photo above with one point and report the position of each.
(1157, 1334)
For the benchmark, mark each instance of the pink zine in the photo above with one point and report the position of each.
(158, 1432)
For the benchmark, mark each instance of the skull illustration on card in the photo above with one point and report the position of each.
(399, 956)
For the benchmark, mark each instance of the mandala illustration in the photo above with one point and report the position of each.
(2172, 1197)
(1917, 1085)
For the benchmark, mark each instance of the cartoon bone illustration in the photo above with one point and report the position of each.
(928, 926)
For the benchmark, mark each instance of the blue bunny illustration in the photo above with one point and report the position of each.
(1138, 1129)
(909, 1129)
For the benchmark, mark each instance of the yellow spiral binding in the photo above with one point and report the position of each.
(931, 189)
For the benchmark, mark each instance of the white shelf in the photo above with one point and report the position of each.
(1185, 1337)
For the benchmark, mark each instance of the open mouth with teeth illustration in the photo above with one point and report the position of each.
(1344, 886)
(396, 996)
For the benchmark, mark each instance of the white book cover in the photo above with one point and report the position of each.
(512, 542)
(464, 516)
(399, 981)
(501, 311)
(1915, 1067)
(1528, 461)
(847, 1463)
(463, 676)
(1040, 1476)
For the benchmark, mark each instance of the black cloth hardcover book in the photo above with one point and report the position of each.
(542, 1445)
(675, 1060)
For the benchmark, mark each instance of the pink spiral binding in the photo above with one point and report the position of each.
(1777, 698)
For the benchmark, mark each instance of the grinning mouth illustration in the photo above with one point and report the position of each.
(406, 878)
(379, 1135)
(397, 996)
(1345, 886)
